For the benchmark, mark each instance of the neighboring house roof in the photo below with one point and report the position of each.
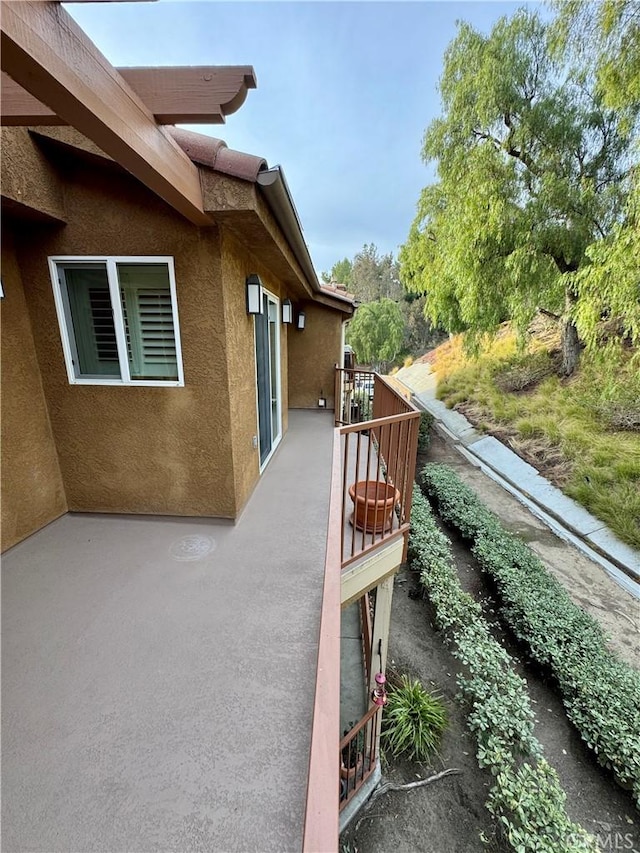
(339, 291)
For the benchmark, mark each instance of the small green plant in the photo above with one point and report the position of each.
(413, 721)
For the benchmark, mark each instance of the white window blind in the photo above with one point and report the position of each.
(118, 319)
(148, 321)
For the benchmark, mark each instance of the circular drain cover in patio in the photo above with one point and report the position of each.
(193, 547)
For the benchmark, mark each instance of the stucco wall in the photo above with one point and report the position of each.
(175, 451)
(28, 178)
(128, 449)
(313, 354)
(237, 264)
(32, 489)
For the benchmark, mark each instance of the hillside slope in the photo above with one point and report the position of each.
(582, 433)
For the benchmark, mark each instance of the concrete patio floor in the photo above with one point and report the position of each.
(158, 674)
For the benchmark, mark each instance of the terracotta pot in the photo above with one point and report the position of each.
(374, 503)
(349, 772)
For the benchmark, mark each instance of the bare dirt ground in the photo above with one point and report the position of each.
(448, 816)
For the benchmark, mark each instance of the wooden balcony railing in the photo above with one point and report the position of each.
(354, 394)
(323, 790)
(382, 451)
(358, 755)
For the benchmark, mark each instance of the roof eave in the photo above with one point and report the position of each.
(274, 188)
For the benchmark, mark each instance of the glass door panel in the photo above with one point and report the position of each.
(268, 376)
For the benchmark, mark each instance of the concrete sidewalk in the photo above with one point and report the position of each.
(564, 516)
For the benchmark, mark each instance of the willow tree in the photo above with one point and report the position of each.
(606, 36)
(376, 332)
(531, 168)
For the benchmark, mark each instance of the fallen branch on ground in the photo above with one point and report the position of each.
(392, 786)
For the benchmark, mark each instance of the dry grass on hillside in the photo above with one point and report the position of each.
(582, 433)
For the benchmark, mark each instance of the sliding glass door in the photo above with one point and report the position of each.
(268, 376)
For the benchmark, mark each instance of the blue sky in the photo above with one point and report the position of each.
(345, 91)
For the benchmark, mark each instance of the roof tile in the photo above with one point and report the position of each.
(214, 153)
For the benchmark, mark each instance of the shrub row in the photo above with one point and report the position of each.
(526, 797)
(601, 693)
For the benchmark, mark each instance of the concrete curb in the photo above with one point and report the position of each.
(567, 519)
(354, 806)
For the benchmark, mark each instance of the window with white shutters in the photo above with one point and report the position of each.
(118, 318)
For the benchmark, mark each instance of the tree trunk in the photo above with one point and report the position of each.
(570, 347)
(570, 342)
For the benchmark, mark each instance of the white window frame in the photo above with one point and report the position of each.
(66, 328)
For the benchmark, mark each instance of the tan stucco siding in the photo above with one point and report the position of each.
(32, 489)
(238, 263)
(313, 354)
(127, 449)
(28, 178)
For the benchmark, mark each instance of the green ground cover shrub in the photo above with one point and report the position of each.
(413, 721)
(600, 692)
(526, 798)
(424, 431)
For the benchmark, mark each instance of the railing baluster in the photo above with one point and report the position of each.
(345, 468)
(410, 464)
(400, 457)
(391, 458)
(355, 505)
(376, 512)
(364, 526)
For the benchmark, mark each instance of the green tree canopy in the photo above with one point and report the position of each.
(369, 276)
(532, 167)
(340, 272)
(375, 276)
(606, 37)
(376, 332)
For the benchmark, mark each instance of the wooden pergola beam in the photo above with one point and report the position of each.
(193, 95)
(47, 53)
